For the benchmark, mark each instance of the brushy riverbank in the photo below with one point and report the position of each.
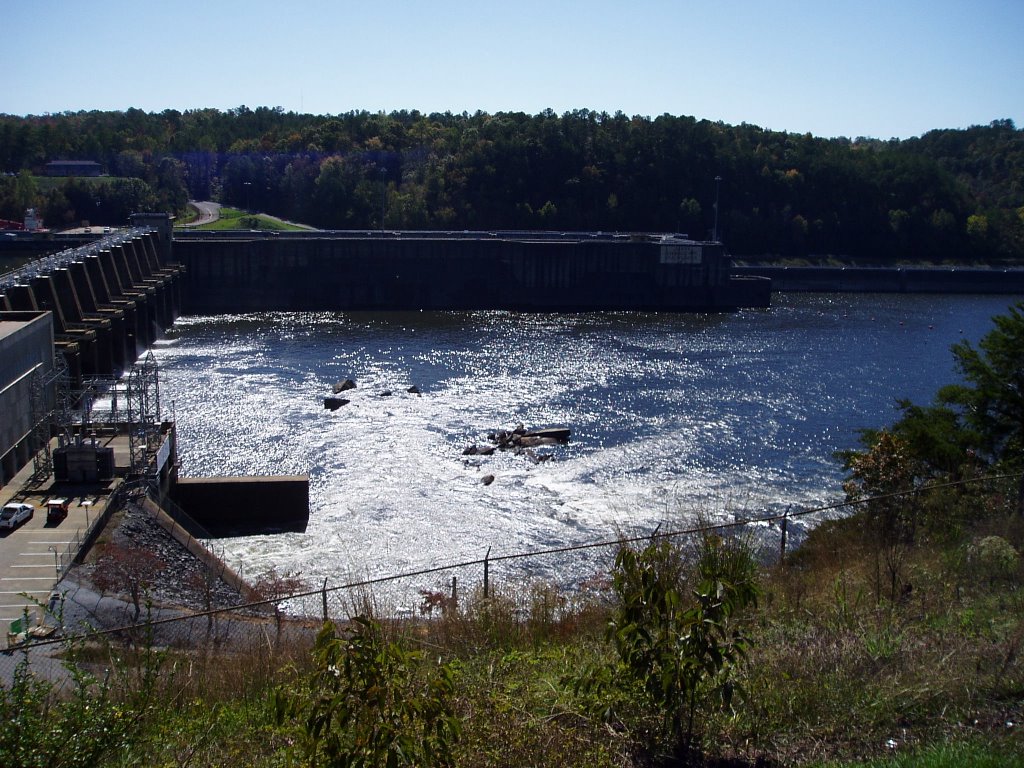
(837, 667)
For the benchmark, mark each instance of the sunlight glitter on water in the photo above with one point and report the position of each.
(671, 414)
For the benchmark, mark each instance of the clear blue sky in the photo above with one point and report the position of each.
(879, 68)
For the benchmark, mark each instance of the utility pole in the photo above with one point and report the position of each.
(714, 236)
(383, 199)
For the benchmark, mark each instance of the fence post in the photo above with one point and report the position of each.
(455, 593)
(782, 541)
(487, 567)
(323, 596)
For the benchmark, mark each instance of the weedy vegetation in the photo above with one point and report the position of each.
(894, 635)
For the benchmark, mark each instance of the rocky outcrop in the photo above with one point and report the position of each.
(522, 438)
(334, 402)
(521, 442)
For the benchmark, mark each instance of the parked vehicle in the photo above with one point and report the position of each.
(14, 514)
(56, 510)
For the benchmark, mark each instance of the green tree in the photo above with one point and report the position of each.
(676, 631)
(370, 703)
(973, 426)
(991, 400)
(26, 192)
(886, 478)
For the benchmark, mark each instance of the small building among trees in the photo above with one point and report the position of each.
(73, 168)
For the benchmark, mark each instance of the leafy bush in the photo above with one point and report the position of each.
(675, 634)
(78, 724)
(993, 558)
(369, 702)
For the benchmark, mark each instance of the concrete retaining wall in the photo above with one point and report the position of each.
(209, 560)
(237, 506)
(472, 273)
(884, 280)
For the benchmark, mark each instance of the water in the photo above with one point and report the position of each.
(672, 415)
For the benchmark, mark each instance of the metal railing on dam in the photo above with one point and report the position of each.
(525, 235)
(46, 264)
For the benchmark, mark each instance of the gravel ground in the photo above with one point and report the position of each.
(183, 580)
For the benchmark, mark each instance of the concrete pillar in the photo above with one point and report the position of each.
(139, 329)
(116, 315)
(122, 257)
(78, 317)
(162, 225)
(168, 278)
(84, 338)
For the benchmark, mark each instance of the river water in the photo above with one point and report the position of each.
(672, 416)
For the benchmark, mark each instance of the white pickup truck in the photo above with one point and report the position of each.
(15, 513)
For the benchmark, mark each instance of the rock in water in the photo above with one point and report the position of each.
(558, 434)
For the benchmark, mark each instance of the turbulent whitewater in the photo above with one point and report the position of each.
(672, 415)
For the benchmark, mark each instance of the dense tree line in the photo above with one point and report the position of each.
(947, 195)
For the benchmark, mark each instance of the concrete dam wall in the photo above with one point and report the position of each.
(326, 272)
(890, 280)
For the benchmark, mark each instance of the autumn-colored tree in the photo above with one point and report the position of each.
(127, 569)
(886, 478)
(274, 587)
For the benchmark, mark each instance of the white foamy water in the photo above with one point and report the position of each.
(671, 415)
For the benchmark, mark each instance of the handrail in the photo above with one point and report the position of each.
(47, 264)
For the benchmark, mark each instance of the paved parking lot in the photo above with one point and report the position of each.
(33, 554)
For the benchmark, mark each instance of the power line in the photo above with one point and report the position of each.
(656, 534)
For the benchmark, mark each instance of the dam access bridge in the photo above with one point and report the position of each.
(74, 319)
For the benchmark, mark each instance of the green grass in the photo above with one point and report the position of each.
(234, 219)
(957, 755)
(836, 676)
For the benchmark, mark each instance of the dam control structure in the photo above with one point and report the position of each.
(73, 322)
(516, 271)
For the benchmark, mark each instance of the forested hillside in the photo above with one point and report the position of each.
(947, 195)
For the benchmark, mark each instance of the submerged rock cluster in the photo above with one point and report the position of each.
(521, 442)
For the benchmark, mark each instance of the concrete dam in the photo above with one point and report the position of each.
(526, 271)
(74, 322)
(108, 301)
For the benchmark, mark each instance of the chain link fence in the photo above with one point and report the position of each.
(198, 604)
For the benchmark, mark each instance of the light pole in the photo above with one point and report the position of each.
(714, 236)
(56, 561)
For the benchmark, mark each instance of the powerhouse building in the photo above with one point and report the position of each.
(26, 363)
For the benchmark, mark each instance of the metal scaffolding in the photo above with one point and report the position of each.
(50, 396)
(131, 404)
(143, 396)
